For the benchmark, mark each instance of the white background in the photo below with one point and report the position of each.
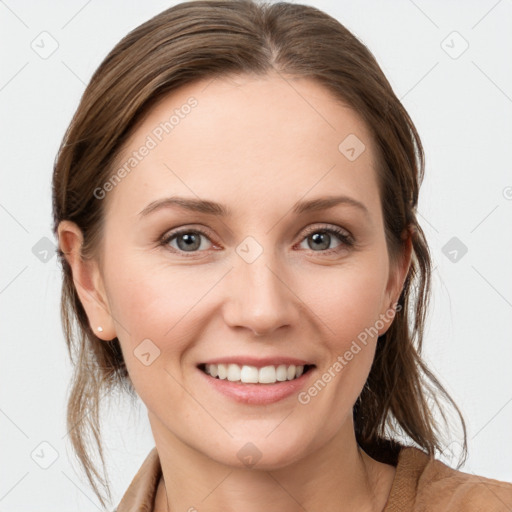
(462, 108)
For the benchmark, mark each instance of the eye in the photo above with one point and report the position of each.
(187, 240)
(190, 241)
(321, 239)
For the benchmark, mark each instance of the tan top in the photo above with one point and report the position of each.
(421, 484)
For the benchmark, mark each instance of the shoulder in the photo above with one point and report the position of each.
(424, 484)
(141, 492)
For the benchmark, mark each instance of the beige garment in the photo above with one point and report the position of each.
(421, 484)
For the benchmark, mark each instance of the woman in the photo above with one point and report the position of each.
(214, 149)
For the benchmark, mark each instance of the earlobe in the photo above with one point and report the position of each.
(87, 280)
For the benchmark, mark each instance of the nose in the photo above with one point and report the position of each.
(259, 298)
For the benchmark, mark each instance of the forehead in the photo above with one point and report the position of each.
(264, 138)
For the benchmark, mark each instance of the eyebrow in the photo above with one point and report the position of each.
(217, 209)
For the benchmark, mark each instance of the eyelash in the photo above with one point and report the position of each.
(346, 239)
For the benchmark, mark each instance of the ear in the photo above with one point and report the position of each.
(87, 280)
(397, 276)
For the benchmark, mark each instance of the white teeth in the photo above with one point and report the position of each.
(233, 372)
(267, 375)
(214, 370)
(222, 371)
(248, 374)
(291, 372)
(281, 372)
(251, 374)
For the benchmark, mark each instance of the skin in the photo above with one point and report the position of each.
(256, 145)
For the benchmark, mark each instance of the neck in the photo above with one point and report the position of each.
(338, 475)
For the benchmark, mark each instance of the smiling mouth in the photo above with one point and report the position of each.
(247, 374)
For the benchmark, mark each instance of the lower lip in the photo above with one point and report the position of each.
(258, 394)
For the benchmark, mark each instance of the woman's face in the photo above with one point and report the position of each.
(265, 283)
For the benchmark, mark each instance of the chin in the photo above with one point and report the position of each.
(263, 454)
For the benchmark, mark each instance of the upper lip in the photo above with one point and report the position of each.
(257, 361)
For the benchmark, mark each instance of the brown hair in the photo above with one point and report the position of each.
(201, 39)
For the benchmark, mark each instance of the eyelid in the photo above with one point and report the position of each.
(165, 239)
(327, 227)
(344, 235)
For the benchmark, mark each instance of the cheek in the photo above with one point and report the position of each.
(158, 303)
(170, 306)
(349, 315)
(347, 299)
(153, 318)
